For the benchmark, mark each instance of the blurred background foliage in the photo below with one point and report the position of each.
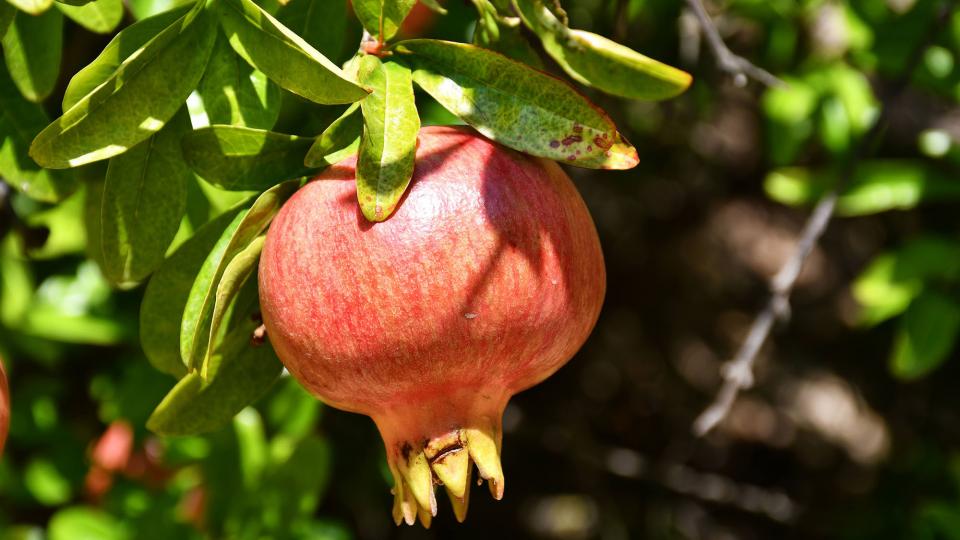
(852, 431)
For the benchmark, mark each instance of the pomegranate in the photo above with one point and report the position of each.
(486, 279)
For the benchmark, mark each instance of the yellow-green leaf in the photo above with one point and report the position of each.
(100, 16)
(382, 18)
(124, 44)
(33, 7)
(596, 61)
(135, 102)
(284, 56)
(197, 315)
(516, 105)
(340, 134)
(389, 141)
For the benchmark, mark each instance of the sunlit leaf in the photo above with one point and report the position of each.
(389, 141)
(236, 273)
(516, 105)
(382, 18)
(339, 135)
(124, 44)
(876, 186)
(33, 7)
(143, 9)
(100, 16)
(135, 102)
(284, 56)
(599, 62)
(892, 280)
(246, 226)
(234, 93)
(84, 523)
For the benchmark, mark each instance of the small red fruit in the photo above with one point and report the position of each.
(486, 279)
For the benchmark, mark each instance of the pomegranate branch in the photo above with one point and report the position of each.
(736, 66)
(737, 374)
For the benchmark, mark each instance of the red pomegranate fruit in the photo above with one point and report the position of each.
(486, 279)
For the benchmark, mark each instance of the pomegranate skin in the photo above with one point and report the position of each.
(486, 279)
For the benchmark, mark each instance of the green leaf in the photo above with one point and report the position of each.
(516, 105)
(61, 220)
(389, 142)
(244, 159)
(32, 49)
(321, 23)
(84, 523)
(240, 268)
(503, 35)
(20, 121)
(596, 61)
(33, 7)
(7, 12)
(434, 6)
(234, 93)
(196, 405)
(251, 447)
(927, 334)
(297, 484)
(876, 186)
(73, 2)
(144, 199)
(143, 9)
(100, 16)
(167, 293)
(339, 135)
(197, 314)
(284, 56)
(135, 102)
(382, 18)
(46, 483)
(74, 308)
(125, 43)
(892, 280)
(16, 284)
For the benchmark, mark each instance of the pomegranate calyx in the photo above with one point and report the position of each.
(445, 460)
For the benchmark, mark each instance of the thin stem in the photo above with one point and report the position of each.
(736, 66)
(738, 373)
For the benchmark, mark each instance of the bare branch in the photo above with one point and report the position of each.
(738, 373)
(736, 66)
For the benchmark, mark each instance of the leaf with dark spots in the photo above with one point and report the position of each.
(515, 105)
